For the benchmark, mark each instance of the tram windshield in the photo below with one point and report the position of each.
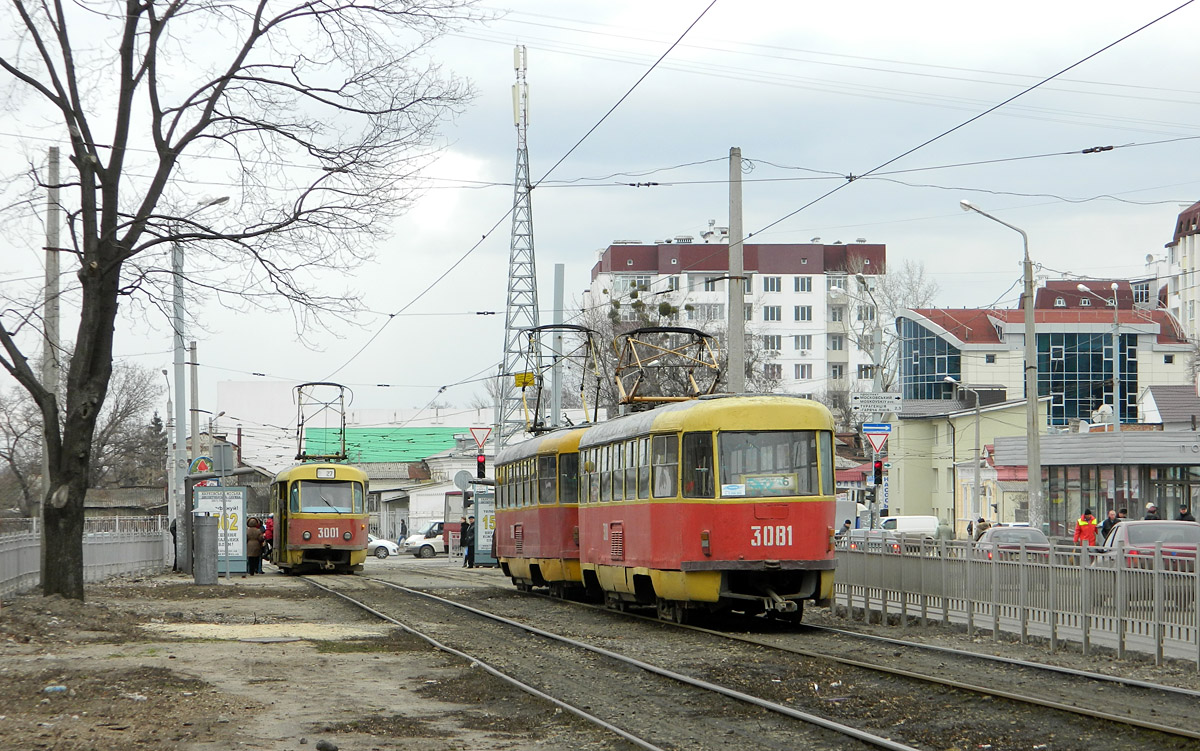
(775, 463)
(326, 497)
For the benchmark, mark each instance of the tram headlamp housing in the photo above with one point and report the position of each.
(704, 542)
(347, 535)
(307, 535)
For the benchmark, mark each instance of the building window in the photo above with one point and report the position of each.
(772, 342)
(746, 288)
(1085, 302)
(837, 313)
(866, 343)
(803, 283)
(772, 284)
(803, 372)
(1141, 292)
(865, 372)
(989, 359)
(866, 312)
(748, 312)
(803, 261)
(837, 372)
(625, 283)
(772, 313)
(835, 280)
(803, 312)
(837, 342)
(672, 284)
(712, 284)
(773, 370)
(1168, 359)
(802, 341)
(1060, 302)
(707, 312)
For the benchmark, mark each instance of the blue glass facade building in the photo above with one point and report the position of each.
(925, 361)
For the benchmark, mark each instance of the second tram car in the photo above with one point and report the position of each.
(719, 503)
(537, 511)
(320, 518)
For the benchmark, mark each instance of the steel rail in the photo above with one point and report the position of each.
(950, 683)
(846, 730)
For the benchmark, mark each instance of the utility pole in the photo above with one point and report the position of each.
(737, 296)
(50, 363)
(556, 372)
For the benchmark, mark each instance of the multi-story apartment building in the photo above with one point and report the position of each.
(804, 302)
(1076, 333)
(1182, 266)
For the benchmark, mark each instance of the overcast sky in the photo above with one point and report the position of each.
(812, 93)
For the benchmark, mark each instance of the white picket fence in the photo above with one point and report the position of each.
(1058, 596)
(111, 546)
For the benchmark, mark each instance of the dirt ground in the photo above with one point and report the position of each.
(159, 663)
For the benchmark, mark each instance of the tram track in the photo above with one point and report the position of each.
(1136, 705)
(619, 693)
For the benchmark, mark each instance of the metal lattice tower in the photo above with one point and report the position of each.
(521, 311)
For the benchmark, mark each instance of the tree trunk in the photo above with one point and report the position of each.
(62, 543)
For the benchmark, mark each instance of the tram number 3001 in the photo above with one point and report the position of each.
(770, 537)
(329, 533)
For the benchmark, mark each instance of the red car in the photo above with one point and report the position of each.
(1136, 542)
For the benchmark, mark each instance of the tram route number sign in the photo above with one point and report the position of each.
(876, 402)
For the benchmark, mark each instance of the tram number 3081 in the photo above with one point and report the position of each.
(770, 537)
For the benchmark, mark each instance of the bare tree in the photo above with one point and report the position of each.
(313, 112)
(903, 286)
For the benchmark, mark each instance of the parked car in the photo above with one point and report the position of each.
(428, 541)
(1134, 542)
(1004, 544)
(911, 526)
(381, 548)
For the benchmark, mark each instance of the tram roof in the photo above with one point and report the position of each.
(725, 411)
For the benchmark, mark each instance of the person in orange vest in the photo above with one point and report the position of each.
(1085, 529)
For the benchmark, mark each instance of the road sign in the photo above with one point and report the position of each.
(877, 434)
(462, 479)
(480, 435)
(876, 402)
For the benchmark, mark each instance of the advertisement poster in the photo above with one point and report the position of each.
(485, 525)
(229, 505)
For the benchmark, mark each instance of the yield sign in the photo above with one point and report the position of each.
(480, 435)
(877, 434)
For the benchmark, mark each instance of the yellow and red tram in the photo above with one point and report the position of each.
(537, 511)
(320, 518)
(719, 503)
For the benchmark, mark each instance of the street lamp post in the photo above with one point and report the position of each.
(1037, 511)
(975, 507)
(1116, 351)
(183, 550)
(876, 382)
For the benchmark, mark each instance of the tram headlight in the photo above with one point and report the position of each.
(307, 535)
(347, 535)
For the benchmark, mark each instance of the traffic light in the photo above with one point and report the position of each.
(878, 471)
(481, 466)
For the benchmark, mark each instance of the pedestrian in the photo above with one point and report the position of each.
(1085, 529)
(970, 530)
(1185, 515)
(174, 548)
(1122, 514)
(468, 542)
(981, 525)
(1152, 513)
(403, 532)
(1108, 525)
(844, 530)
(254, 543)
(268, 540)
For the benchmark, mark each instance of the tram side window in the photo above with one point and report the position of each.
(568, 478)
(666, 466)
(294, 503)
(697, 465)
(631, 470)
(530, 483)
(643, 468)
(547, 471)
(606, 473)
(618, 468)
(827, 482)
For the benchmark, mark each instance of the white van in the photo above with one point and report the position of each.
(912, 526)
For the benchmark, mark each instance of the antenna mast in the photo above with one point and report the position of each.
(522, 309)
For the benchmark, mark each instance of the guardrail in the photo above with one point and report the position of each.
(1149, 605)
(111, 546)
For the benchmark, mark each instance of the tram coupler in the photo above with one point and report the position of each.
(780, 605)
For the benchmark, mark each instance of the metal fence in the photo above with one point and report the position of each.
(111, 546)
(1147, 604)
